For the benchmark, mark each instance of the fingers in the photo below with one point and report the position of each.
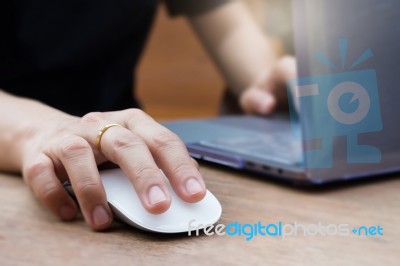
(40, 176)
(143, 148)
(77, 157)
(268, 93)
(140, 150)
(257, 101)
(171, 155)
(128, 150)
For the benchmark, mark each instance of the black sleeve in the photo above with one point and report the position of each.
(192, 7)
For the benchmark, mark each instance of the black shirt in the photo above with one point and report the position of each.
(76, 55)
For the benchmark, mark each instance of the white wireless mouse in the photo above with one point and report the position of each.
(126, 206)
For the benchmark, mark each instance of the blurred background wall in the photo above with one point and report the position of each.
(177, 79)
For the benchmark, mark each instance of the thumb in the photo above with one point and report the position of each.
(256, 101)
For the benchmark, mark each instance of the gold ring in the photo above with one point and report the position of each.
(101, 133)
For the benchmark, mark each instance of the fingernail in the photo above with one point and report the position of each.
(67, 212)
(100, 215)
(156, 195)
(193, 186)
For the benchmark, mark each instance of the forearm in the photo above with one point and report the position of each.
(20, 119)
(237, 45)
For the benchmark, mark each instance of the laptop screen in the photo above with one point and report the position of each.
(348, 54)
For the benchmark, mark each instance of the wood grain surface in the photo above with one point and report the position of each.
(31, 235)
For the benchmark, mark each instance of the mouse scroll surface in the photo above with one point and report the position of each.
(125, 203)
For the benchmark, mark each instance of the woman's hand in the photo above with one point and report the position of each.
(269, 92)
(64, 148)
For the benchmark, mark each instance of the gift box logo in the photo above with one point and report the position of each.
(338, 104)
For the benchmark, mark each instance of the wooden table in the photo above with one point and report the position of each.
(31, 235)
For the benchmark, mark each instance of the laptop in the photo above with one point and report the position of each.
(344, 104)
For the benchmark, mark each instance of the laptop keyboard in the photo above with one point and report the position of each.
(281, 147)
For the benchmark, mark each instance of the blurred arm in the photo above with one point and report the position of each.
(237, 45)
